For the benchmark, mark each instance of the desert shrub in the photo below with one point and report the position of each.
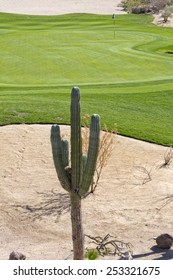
(167, 13)
(145, 6)
(91, 254)
(168, 157)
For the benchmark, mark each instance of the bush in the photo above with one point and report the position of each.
(145, 6)
(166, 13)
(141, 10)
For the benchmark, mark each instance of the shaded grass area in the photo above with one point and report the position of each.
(127, 80)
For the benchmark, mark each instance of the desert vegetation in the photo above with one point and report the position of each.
(79, 174)
(77, 178)
(146, 6)
(165, 7)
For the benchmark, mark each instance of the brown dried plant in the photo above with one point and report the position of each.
(143, 173)
(110, 245)
(167, 200)
(168, 156)
(105, 150)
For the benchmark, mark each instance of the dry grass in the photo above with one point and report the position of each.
(143, 173)
(168, 156)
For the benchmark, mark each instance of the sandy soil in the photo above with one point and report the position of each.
(124, 205)
(34, 219)
(53, 7)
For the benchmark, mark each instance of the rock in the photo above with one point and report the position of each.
(126, 256)
(16, 256)
(164, 241)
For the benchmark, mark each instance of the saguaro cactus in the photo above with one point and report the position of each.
(77, 178)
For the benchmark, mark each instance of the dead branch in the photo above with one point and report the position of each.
(109, 245)
(143, 174)
(168, 156)
(168, 199)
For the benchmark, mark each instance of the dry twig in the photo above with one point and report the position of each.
(168, 199)
(143, 174)
(168, 156)
(109, 245)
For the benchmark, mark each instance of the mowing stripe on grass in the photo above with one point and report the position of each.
(127, 80)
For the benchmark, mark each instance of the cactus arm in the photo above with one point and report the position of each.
(57, 157)
(65, 152)
(92, 155)
(76, 140)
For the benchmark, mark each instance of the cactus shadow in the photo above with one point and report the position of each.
(160, 254)
(51, 203)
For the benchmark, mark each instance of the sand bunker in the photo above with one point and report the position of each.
(126, 204)
(56, 7)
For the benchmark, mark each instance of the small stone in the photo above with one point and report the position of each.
(164, 241)
(126, 256)
(17, 256)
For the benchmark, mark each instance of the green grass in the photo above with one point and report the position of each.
(127, 80)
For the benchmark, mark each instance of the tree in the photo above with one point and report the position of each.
(158, 5)
(167, 13)
(129, 5)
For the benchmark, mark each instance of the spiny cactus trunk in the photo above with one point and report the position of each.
(76, 165)
(77, 229)
(78, 178)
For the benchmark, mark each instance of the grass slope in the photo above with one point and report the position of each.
(127, 79)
